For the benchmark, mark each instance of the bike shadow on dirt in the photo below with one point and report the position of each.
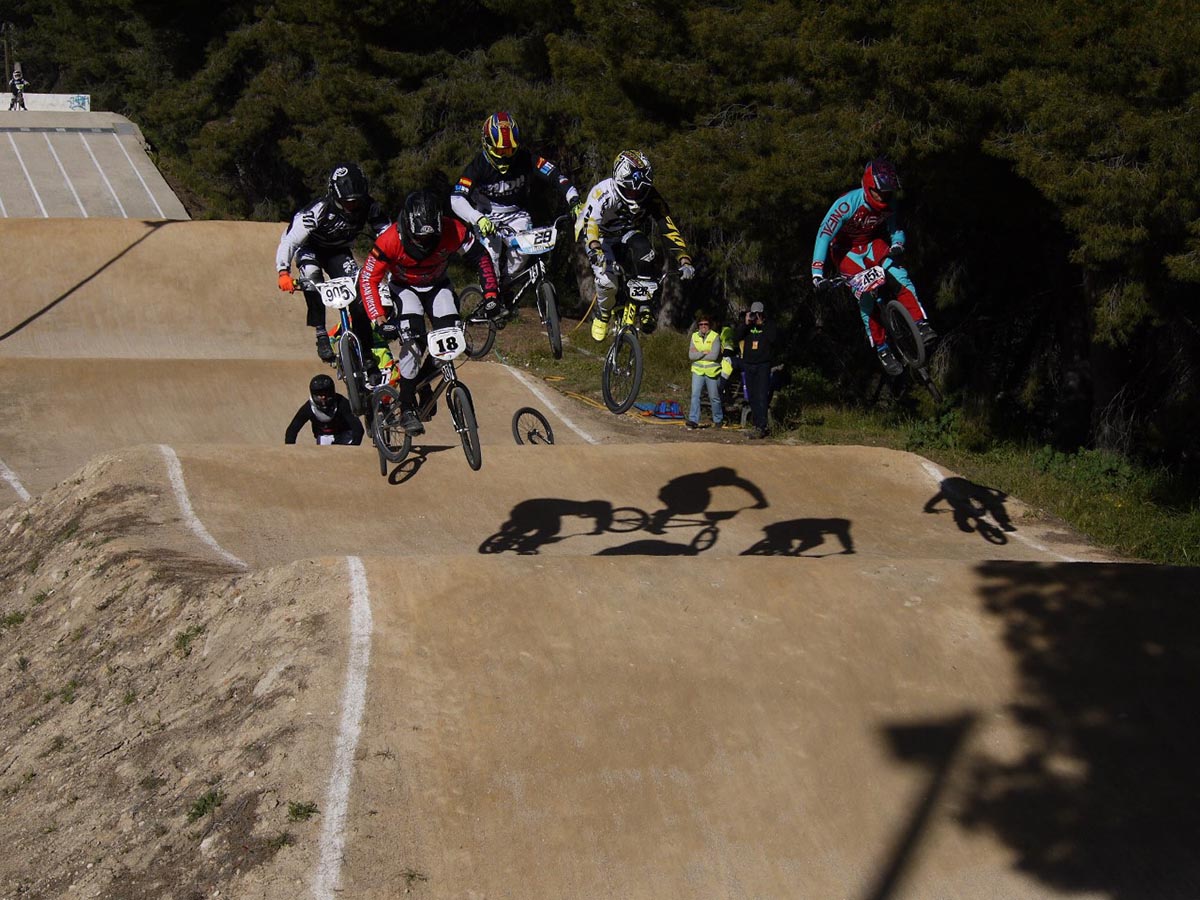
(686, 504)
(796, 537)
(33, 317)
(411, 464)
(973, 505)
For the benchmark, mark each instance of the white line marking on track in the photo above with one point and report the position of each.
(66, 177)
(940, 476)
(21, 160)
(11, 477)
(175, 471)
(107, 183)
(354, 700)
(3, 211)
(537, 392)
(149, 193)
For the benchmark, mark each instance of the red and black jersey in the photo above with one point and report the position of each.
(389, 258)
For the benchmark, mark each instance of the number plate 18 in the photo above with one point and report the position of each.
(447, 343)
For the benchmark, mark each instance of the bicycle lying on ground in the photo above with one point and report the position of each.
(441, 377)
(902, 333)
(534, 245)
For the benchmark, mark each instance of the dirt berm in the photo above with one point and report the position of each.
(607, 668)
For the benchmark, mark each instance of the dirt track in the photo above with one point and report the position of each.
(600, 669)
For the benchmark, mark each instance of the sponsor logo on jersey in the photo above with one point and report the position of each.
(545, 166)
(831, 224)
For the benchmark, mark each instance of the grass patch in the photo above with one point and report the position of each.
(184, 639)
(205, 804)
(56, 744)
(301, 812)
(40, 597)
(23, 663)
(281, 840)
(128, 697)
(11, 620)
(412, 876)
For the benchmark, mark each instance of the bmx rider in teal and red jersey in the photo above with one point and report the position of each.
(860, 231)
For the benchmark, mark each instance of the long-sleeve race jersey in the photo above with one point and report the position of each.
(483, 190)
(606, 217)
(340, 422)
(388, 257)
(325, 227)
(851, 222)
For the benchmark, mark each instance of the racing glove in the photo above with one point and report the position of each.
(485, 226)
(686, 270)
(576, 209)
(285, 282)
(820, 284)
(896, 252)
(387, 329)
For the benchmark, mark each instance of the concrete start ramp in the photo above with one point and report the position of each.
(79, 165)
(602, 668)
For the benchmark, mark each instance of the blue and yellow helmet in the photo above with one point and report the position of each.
(501, 138)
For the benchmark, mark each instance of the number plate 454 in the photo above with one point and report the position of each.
(868, 280)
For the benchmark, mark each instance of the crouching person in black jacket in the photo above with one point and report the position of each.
(329, 414)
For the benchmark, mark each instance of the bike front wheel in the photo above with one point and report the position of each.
(462, 410)
(350, 362)
(530, 426)
(622, 376)
(903, 333)
(480, 330)
(549, 300)
(390, 438)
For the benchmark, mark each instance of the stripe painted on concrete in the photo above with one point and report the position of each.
(939, 477)
(66, 177)
(21, 161)
(175, 471)
(103, 175)
(332, 843)
(149, 193)
(11, 477)
(537, 392)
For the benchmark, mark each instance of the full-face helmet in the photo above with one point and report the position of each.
(322, 393)
(420, 223)
(501, 138)
(347, 187)
(880, 182)
(633, 177)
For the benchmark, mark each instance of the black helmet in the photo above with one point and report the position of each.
(322, 393)
(420, 223)
(347, 187)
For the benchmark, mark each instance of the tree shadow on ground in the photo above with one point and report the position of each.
(972, 505)
(33, 317)
(1106, 798)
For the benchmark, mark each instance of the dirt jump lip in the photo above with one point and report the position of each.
(604, 668)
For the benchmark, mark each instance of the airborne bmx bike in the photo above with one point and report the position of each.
(534, 246)
(902, 333)
(443, 347)
(621, 377)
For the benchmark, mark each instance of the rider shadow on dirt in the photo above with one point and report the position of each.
(796, 537)
(972, 504)
(33, 317)
(686, 500)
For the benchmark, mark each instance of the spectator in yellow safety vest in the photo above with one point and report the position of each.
(704, 351)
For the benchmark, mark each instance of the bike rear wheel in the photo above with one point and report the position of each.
(389, 436)
(350, 360)
(462, 410)
(622, 376)
(903, 333)
(480, 330)
(549, 300)
(530, 426)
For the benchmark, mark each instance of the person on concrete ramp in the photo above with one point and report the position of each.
(16, 87)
